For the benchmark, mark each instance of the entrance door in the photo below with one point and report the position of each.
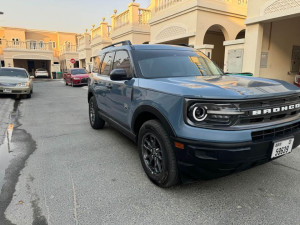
(235, 61)
(31, 67)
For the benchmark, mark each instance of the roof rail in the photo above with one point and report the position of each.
(118, 43)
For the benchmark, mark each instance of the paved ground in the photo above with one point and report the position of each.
(63, 172)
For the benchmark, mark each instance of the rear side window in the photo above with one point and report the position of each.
(106, 64)
(122, 61)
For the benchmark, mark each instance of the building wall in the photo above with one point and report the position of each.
(279, 48)
(10, 33)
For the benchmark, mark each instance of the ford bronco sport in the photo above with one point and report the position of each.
(189, 120)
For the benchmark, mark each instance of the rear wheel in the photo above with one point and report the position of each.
(95, 120)
(157, 155)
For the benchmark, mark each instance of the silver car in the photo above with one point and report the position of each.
(16, 81)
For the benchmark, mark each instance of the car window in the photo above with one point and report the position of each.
(13, 73)
(159, 64)
(106, 64)
(122, 61)
(41, 69)
(78, 71)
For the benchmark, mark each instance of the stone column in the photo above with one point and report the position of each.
(133, 13)
(253, 46)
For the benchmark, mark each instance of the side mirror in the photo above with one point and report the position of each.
(31, 77)
(119, 74)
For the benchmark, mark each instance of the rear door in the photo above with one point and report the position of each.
(119, 92)
(101, 80)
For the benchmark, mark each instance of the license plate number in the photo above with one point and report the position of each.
(282, 147)
(6, 91)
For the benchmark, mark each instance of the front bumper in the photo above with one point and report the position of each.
(206, 160)
(15, 90)
(82, 81)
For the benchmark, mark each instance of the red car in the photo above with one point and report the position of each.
(76, 77)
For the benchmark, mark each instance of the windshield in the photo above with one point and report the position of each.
(13, 73)
(162, 63)
(41, 69)
(79, 71)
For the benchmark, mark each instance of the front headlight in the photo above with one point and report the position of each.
(22, 85)
(206, 114)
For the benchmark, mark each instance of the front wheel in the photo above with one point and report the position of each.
(95, 120)
(157, 155)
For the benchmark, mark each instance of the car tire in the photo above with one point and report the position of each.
(29, 95)
(95, 120)
(157, 155)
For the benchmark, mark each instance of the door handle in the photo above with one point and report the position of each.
(109, 86)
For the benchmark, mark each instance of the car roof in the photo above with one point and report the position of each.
(147, 47)
(15, 68)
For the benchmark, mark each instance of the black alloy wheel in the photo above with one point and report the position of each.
(95, 120)
(152, 154)
(157, 154)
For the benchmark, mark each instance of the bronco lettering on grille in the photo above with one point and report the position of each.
(274, 110)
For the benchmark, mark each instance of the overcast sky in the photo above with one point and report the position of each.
(60, 15)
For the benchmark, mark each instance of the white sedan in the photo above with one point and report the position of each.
(41, 73)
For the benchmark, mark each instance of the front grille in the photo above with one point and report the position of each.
(275, 132)
(7, 85)
(248, 119)
(84, 80)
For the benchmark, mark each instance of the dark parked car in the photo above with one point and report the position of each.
(188, 119)
(76, 77)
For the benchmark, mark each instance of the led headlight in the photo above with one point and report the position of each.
(211, 114)
(197, 113)
(22, 85)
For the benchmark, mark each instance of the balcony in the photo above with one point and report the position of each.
(131, 24)
(229, 6)
(68, 48)
(27, 45)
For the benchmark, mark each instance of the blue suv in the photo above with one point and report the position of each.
(188, 119)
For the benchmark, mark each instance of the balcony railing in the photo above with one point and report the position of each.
(165, 4)
(96, 32)
(68, 48)
(28, 45)
(122, 19)
(144, 16)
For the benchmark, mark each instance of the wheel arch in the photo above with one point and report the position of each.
(145, 113)
(90, 94)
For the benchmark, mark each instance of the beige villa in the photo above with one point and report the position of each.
(271, 48)
(259, 36)
(204, 24)
(33, 49)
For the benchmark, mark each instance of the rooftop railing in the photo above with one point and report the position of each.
(122, 19)
(144, 16)
(27, 45)
(161, 5)
(134, 15)
(68, 48)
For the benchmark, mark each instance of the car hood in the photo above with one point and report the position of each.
(12, 80)
(220, 87)
(81, 75)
